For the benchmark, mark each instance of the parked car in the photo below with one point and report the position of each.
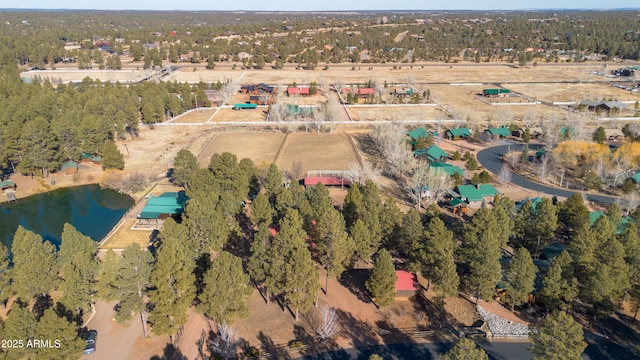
(90, 337)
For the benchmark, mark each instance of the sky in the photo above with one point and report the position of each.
(311, 5)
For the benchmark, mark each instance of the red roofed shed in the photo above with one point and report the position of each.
(406, 285)
(366, 91)
(326, 181)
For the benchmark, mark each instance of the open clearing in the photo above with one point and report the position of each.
(574, 92)
(317, 152)
(372, 113)
(228, 114)
(197, 116)
(261, 147)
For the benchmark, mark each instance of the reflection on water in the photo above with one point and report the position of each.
(91, 210)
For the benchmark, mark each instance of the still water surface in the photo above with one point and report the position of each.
(91, 210)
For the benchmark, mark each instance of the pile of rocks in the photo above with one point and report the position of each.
(501, 327)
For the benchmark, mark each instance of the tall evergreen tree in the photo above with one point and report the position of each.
(226, 289)
(559, 286)
(205, 223)
(5, 274)
(559, 337)
(434, 257)
(112, 158)
(273, 182)
(21, 324)
(382, 282)
(261, 210)
(184, 165)
(35, 268)
(79, 264)
(259, 262)
(362, 241)
(573, 212)
(482, 253)
(335, 248)
(106, 287)
(535, 227)
(411, 233)
(172, 279)
(519, 277)
(465, 349)
(300, 279)
(56, 328)
(352, 205)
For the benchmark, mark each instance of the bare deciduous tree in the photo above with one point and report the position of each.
(543, 167)
(229, 89)
(390, 140)
(427, 184)
(330, 324)
(505, 174)
(225, 343)
(362, 173)
(512, 158)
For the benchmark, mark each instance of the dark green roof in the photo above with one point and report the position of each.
(86, 155)
(595, 215)
(447, 168)
(499, 131)
(6, 183)
(460, 132)
(636, 177)
(96, 158)
(495, 91)
(70, 164)
(534, 203)
(457, 201)
(476, 193)
(432, 153)
(417, 133)
(169, 203)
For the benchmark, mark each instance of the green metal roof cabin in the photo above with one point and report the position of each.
(244, 106)
(499, 132)
(460, 133)
(163, 206)
(420, 132)
(495, 92)
(447, 168)
(433, 153)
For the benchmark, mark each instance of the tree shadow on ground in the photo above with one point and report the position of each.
(445, 327)
(42, 303)
(397, 351)
(355, 329)
(268, 346)
(354, 281)
(170, 352)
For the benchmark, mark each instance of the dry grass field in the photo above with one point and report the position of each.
(372, 113)
(317, 152)
(66, 75)
(228, 114)
(261, 147)
(198, 116)
(574, 92)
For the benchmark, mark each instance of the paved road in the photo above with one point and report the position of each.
(491, 159)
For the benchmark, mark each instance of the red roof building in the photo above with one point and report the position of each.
(407, 281)
(366, 91)
(326, 181)
(298, 91)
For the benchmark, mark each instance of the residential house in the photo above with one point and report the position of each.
(499, 132)
(420, 132)
(8, 185)
(403, 92)
(534, 132)
(214, 97)
(259, 89)
(614, 134)
(603, 105)
(432, 154)
(457, 134)
(475, 195)
(448, 169)
(299, 90)
(365, 92)
(70, 168)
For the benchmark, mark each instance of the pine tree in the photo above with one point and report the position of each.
(503, 211)
(5, 274)
(573, 213)
(465, 349)
(21, 324)
(362, 241)
(559, 287)
(56, 328)
(107, 274)
(335, 248)
(559, 337)
(482, 253)
(319, 200)
(173, 280)
(300, 280)
(259, 262)
(112, 158)
(382, 282)
(226, 289)
(77, 258)
(273, 182)
(132, 282)
(207, 228)
(352, 205)
(184, 165)
(35, 269)
(261, 210)
(434, 257)
(519, 277)
(411, 232)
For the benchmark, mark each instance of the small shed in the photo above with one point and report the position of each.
(496, 92)
(70, 168)
(86, 157)
(406, 284)
(8, 185)
(96, 160)
(326, 181)
(365, 92)
(614, 134)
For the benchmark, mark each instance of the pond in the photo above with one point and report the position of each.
(91, 210)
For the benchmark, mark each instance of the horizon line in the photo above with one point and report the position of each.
(325, 10)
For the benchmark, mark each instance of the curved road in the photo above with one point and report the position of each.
(491, 159)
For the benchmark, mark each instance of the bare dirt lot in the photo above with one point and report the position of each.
(251, 115)
(393, 113)
(261, 147)
(197, 116)
(317, 152)
(574, 92)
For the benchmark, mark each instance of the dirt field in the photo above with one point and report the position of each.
(317, 152)
(198, 116)
(228, 114)
(372, 113)
(574, 92)
(261, 147)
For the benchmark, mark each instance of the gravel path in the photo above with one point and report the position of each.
(501, 327)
